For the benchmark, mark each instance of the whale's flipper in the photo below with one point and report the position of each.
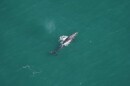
(62, 39)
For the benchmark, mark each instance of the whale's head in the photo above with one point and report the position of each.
(76, 33)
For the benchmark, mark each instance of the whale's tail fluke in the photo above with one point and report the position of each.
(53, 52)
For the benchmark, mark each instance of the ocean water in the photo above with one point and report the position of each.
(99, 56)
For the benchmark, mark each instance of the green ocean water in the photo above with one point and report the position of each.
(99, 56)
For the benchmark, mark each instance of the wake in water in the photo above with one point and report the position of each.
(28, 67)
